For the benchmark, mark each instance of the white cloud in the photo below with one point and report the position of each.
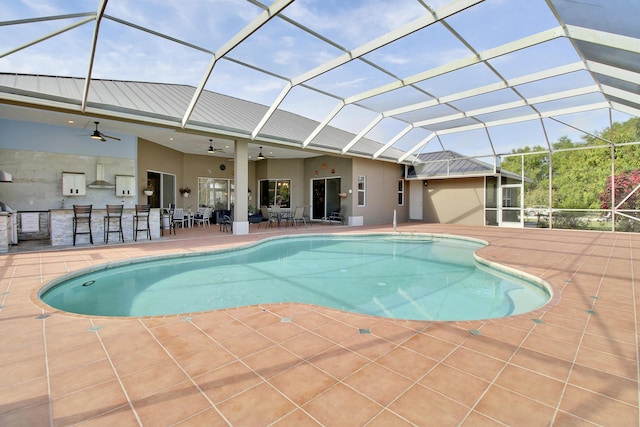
(41, 7)
(337, 18)
(283, 57)
(396, 59)
(350, 83)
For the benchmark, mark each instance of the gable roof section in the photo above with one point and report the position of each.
(449, 164)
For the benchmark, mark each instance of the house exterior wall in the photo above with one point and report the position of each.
(37, 188)
(329, 167)
(292, 169)
(381, 198)
(158, 158)
(454, 201)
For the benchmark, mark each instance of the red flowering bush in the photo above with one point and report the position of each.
(624, 184)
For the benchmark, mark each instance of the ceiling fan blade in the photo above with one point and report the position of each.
(110, 137)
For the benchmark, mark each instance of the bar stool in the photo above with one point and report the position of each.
(169, 212)
(141, 216)
(113, 219)
(82, 215)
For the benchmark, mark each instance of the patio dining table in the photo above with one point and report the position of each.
(280, 214)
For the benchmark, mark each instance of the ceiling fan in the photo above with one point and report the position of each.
(262, 156)
(96, 134)
(212, 150)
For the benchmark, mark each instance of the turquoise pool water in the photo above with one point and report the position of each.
(398, 276)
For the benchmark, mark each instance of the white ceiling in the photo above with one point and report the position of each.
(185, 142)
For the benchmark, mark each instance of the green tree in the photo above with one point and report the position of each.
(579, 175)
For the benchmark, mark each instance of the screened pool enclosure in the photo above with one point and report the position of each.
(542, 91)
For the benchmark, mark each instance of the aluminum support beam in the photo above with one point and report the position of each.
(271, 12)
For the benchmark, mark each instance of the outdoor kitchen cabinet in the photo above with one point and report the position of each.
(74, 184)
(125, 186)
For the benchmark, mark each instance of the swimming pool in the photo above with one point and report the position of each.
(404, 276)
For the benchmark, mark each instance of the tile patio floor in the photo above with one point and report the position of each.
(573, 362)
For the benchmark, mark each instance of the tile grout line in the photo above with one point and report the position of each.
(45, 347)
(507, 362)
(115, 371)
(190, 378)
(303, 360)
(586, 325)
(46, 367)
(417, 381)
(584, 329)
(635, 316)
(338, 381)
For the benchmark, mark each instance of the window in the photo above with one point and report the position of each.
(216, 193)
(362, 181)
(275, 192)
(401, 192)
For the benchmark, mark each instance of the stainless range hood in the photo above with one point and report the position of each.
(100, 182)
(5, 177)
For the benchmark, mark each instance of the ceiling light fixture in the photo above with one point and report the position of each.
(260, 155)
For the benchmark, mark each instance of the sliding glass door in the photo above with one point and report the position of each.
(325, 197)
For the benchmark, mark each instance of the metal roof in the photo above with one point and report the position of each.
(385, 80)
(449, 164)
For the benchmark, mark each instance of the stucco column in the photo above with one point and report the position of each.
(241, 178)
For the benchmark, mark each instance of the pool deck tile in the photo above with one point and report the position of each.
(573, 362)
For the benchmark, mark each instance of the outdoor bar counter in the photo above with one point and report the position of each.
(62, 227)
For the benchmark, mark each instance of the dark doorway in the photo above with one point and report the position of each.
(326, 197)
(153, 180)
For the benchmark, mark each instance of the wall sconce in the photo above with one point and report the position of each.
(425, 183)
(342, 195)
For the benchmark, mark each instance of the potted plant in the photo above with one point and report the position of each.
(148, 191)
(185, 191)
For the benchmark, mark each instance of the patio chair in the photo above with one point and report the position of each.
(178, 218)
(220, 214)
(298, 216)
(257, 218)
(307, 216)
(337, 216)
(167, 223)
(226, 224)
(202, 216)
(286, 217)
(269, 217)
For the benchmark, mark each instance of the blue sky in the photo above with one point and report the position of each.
(280, 48)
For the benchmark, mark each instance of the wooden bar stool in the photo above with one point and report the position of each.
(141, 221)
(113, 219)
(82, 215)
